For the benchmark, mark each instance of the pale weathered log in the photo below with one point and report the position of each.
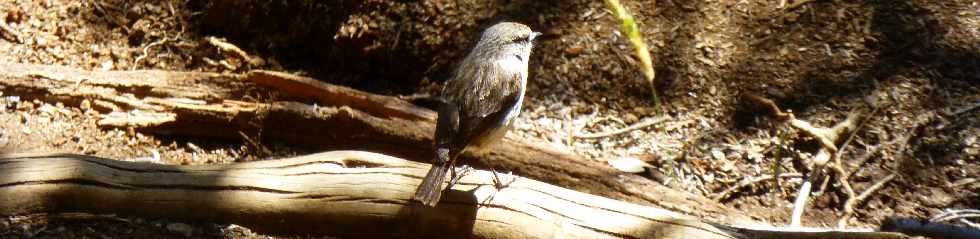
(59, 80)
(214, 105)
(341, 193)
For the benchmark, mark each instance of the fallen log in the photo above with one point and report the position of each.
(218, 106)
(342, 193)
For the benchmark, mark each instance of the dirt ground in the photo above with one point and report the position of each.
(912, 66)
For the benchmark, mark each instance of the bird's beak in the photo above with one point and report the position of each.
(534, 35)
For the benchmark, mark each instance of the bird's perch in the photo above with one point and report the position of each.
(350, 194)
(341, 193)
(200, 104)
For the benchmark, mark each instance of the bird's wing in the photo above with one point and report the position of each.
(447, 126)
(488, 105)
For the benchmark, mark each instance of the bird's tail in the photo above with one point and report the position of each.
(430, 190)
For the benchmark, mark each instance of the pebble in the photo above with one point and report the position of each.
(181, 228)
(630, 118)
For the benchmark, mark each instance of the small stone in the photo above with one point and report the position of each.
(40, 41)
(574, 50)
(629, 164)
(47, 109)
(630, 118)
(717, 154)
(181, 228)
(937, 198)
(107, 65)
(95, 50)
(85, 105)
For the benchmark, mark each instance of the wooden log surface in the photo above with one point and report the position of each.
(222, 106)
(344, 193)
(341, 193)
(351, 194)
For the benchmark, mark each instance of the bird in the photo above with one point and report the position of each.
(480, 102)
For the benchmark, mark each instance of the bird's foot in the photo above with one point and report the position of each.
(454, 178)
(500, 184)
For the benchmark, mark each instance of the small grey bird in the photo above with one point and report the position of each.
(480, 102)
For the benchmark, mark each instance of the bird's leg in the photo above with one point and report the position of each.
(454, 177)
(499, 184)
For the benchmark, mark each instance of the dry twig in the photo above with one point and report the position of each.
(797, 4)
(967, 109)
(961, 214)
(800, 203)
(10, 34)
(643, 124)
(871, 151)
(577, 128)
(827, 137)
(225, 46)
(98, 6)
(844, 176)
(146, 49)
(852, 201)
(750, 181)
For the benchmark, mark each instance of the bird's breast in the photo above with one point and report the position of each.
(496, 133)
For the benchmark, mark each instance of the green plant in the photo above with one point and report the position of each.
(632, 32)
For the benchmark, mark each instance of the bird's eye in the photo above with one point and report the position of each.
(519, 40)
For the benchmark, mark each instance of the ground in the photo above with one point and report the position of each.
(911, 66)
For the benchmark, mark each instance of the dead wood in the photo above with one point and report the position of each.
(332, 95)
(55, 81)
(342, 193)
(213, 105)
(10, 34)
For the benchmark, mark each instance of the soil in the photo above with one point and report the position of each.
(912, 66)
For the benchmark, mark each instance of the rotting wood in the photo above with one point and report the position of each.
(213, 105)
(59, 80)
(333, 95)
